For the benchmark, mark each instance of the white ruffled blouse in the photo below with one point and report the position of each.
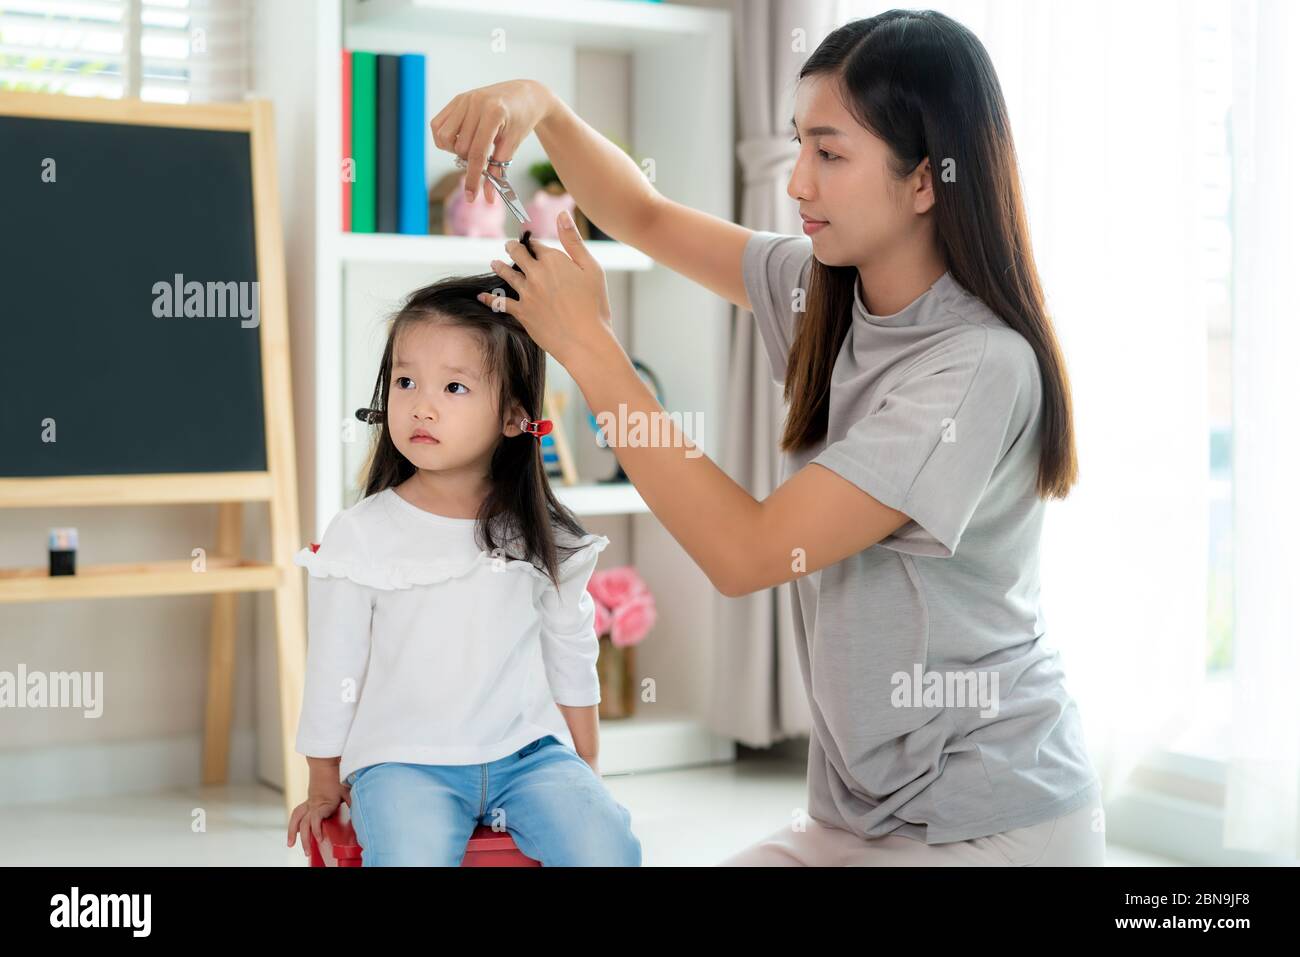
(423, 648)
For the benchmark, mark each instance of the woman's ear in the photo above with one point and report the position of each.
(923, 188)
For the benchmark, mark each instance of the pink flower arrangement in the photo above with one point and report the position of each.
(624, 606)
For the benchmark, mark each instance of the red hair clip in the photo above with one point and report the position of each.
(537, 427)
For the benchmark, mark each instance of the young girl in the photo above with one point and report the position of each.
(451, 676)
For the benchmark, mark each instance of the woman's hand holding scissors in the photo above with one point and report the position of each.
(489, 122)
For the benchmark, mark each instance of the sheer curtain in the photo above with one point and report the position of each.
(1262, 811)
(1100, 101)
(758, 696)
(219, 49)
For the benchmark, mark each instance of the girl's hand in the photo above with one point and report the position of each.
(489, 123)
(563, 302)
(311, 812)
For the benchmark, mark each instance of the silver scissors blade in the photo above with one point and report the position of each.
(503, 188)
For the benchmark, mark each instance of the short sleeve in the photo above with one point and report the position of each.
(773, 267)
(339, 612)
(933, 443)
(568, 630)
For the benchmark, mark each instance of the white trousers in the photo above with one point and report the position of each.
(1077, 839)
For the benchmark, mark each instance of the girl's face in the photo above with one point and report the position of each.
(438, 385)
(842, 178)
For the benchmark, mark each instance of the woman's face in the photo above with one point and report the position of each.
(842, 178)
(438, 385)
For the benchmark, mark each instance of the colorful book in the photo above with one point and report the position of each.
(347, 141)
(363, 141)
(386, 143)
(412, 195)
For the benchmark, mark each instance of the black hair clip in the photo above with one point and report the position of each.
(370, 416)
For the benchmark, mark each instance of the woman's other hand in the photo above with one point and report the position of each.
(489, 122)
(563, 301)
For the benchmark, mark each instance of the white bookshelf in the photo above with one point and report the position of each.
(447, 251)
(614, 498)
(595, 24)
(667, 55)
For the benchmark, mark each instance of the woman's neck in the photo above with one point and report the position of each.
(890, 285)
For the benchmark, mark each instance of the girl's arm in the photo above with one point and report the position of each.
(570, 647)
(323, 775)
(584, 726)
(338, 652)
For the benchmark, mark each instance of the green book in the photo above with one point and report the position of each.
(363, 141)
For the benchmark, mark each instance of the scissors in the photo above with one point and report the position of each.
(501, 185)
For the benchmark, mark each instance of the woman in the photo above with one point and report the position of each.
(929, 420)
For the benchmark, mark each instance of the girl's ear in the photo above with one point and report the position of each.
(511, 427)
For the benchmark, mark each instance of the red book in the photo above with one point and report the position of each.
(347, 140)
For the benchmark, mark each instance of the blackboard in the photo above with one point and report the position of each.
(95, 219)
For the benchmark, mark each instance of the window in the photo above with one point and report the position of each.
(173, 51)
(1215, 239)
(1207, 736)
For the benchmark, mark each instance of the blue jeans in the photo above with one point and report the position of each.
(555, 807)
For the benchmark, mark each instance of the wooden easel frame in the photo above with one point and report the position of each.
(226, 572)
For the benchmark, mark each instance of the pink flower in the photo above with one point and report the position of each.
(632, 620)
(624, 606)
(613, 586)
(603, 618)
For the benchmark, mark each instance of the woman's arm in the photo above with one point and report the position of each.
(814, 519)
(614, 193)
(605, 182)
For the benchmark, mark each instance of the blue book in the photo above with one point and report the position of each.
(412, 195)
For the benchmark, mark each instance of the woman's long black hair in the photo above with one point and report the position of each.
(520, 513)
(925, 85)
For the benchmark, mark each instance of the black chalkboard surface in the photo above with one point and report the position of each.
(110, 233)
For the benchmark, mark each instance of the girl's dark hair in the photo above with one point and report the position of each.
(924, 84)
(520, 512)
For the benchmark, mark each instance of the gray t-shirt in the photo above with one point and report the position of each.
(938, 711)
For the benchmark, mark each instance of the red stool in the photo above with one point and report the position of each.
(486, 848)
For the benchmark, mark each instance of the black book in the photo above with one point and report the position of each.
(386, 143)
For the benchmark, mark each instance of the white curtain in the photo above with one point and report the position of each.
(1262, 811)
(1099, 96)
(219, 41)
(758, 696)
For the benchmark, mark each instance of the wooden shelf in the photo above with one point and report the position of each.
(469, 250)
(137, 579)
(183, 488)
